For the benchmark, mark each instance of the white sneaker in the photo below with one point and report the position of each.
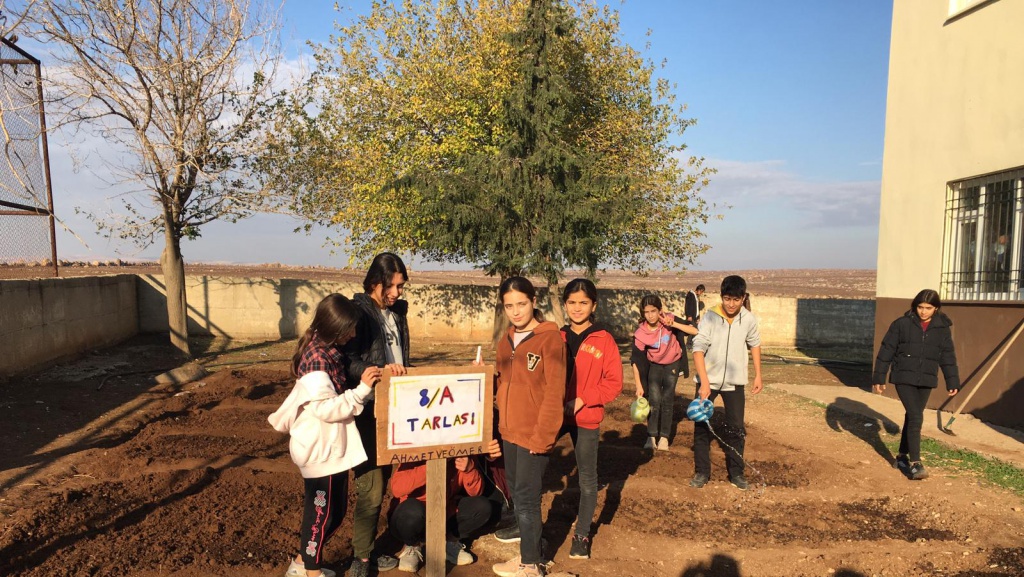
(663, 444)
(456, 554)
(650, 445)
(299, 570)
(410, 559)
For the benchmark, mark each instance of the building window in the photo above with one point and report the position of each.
(983, 251)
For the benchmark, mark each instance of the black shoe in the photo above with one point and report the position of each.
(508, 534)
(740, 482)
(902, 463)
(699, 480)
(580, 548)
(917, 472)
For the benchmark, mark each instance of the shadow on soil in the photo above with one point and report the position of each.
(726, 566)
(862, 422)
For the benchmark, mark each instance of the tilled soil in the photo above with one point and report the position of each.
(189, 480)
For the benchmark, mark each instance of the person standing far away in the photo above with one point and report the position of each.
(595, 379)
(913, 350)
(382, 340)
(530, 366)
(726, 332)
(692, 310)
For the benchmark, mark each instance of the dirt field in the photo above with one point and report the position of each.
(840, 283)
(104, 473)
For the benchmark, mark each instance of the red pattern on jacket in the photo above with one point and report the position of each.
(596, 377)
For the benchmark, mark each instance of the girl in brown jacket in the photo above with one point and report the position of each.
(531, 367)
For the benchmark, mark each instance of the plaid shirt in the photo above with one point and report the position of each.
(317, 357)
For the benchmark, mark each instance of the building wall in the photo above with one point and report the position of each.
(44, 320)
(954, 111)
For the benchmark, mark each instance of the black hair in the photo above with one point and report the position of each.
(733, 286)
(522, 285)
(576, 285)
(335, 317)
(927, 296)
(382, 270)
(649, 300)
(699, 288)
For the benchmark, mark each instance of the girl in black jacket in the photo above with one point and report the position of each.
(916, 346)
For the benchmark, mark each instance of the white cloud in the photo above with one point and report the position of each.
(811, 203)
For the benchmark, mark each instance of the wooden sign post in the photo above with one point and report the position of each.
(434, 414)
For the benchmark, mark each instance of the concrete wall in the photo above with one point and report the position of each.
(282, 308)
(46, 319)
(953, 111)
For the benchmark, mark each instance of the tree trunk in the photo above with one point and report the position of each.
(173, 268)
(555, 296)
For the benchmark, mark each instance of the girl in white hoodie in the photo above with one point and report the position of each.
(319, 414)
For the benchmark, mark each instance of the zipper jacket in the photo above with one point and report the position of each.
(915, 355)
(531, 387)
(595, 377)
(725, 346)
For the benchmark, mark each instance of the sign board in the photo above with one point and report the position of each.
(434, 413)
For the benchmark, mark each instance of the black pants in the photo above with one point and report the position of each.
(914, 400)
(323, 510)
(409, 520)
(732, 432)
(525, 475)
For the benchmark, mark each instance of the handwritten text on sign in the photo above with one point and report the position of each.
(430, 410)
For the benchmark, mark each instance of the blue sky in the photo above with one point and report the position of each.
(789, 98)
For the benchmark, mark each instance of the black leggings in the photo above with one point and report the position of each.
(409, 520)
(914, 400)
(323, 510)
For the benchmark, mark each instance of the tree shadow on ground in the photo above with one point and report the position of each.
(862, 422)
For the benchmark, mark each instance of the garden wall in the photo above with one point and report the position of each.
(43, 320)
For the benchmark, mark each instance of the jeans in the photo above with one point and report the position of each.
(323, 511)
(525, 475)
(409, 521)
(584, 442)
(914, 400)
(661, 393)
(732, 432)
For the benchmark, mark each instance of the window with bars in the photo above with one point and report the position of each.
(983, 249)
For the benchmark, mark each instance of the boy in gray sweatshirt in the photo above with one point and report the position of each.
(727, 331)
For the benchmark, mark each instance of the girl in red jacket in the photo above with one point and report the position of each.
(468, 510)
(595, 379)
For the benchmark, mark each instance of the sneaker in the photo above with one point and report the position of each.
(508, 534)
(699, 480)
(531, 571)
(508, 568)
(663, 444)
(410, 559)
(299, 570)
(386, 563)
(902, 462)
(456, 554)
(740, 482)
(359, 568)
(917, 471)
(580, 547)
(650, 445)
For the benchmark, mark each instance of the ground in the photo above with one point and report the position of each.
(103, 472)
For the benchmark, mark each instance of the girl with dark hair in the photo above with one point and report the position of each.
(913, 350)
(319, 414)
(382, 340)
(595, 379)
(654, 339)
(531, 370)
